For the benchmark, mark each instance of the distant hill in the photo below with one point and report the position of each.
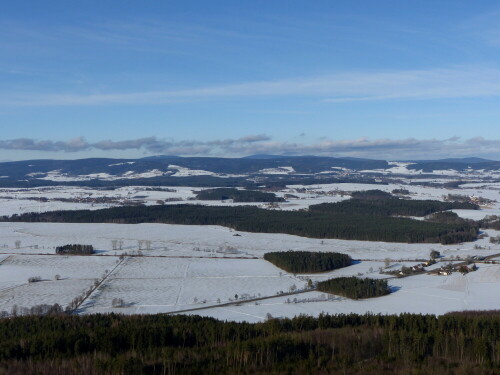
(469, 160)
(210, 171)
(263, 156)
(164, 165)
(456, 164)
(158, 157)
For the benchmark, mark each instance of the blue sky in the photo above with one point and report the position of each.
(372, 78)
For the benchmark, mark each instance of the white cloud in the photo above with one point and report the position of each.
(457, 82)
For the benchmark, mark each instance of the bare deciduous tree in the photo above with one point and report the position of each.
(117, 302)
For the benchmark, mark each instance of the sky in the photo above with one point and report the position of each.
(384, 79)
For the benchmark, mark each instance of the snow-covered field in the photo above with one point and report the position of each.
(418, 294)
(197, 267)
(172, 170)
(194, 266)
(76, 274)
(210, 241)
(18, 201)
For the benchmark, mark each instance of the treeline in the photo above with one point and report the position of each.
(447, 217)
(75, 249)
(318, 222)
(401, 191)
(354, 287)
(341, 344)
(391, 206)
(490, 222)
(193, 181)
(307, 261)
(38, 310)
(371, 194)
(237, 195)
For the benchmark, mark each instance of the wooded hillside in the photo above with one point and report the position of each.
(463, 344)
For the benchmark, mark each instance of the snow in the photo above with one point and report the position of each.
(174, 284)
(425, 294)
(279, 170)
(211, 241)
(197, 266)
(77, 275)
(401, 168)
(186, 172)
(203, 266)
(58, 176)
(126, 163)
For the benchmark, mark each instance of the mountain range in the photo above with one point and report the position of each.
(46, 171)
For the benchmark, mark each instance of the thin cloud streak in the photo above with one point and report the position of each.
(263, 144)
(458, 82)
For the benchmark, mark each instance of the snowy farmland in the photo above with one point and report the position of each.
(43, 199)
(195, 267)
(215, 271)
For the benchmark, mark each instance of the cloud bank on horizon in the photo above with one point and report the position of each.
(409, 148)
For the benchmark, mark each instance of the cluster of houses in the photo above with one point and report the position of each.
(445, 270)
(406, 271)
(328, 193)
(480, 200)
(450, 268)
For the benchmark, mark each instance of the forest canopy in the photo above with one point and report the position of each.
(354, 287)
(308, 261)
(162, 344)
(237, 195)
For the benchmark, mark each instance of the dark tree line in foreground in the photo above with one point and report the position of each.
(462, 344)
(349, 221)
(307, 261)
(237, 195)
(354, 287)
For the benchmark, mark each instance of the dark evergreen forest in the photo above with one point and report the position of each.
(460, 344)
(354, 219)
(382, 206)
(308, 261)
(354, 287)
(237, 195)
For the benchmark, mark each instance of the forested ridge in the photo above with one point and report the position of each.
(341, 223)
(308, 261)
(461, 344)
